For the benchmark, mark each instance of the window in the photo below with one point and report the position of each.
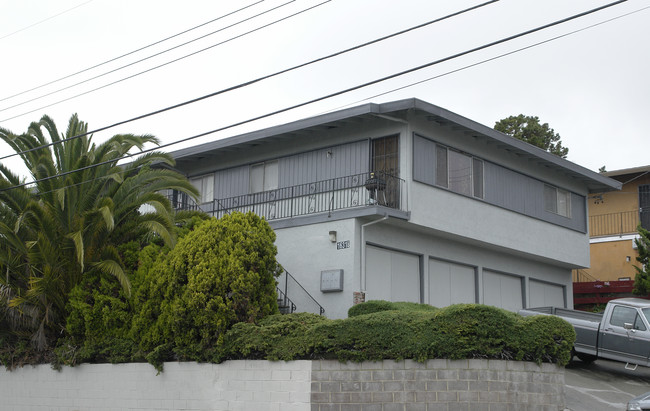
(459, 172)
(205, 185)
(385, 155)
(264, 176)
(557, 201)
(622, 315)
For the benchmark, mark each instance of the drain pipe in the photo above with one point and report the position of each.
(362, 273)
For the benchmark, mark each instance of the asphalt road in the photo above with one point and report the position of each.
(603, 385)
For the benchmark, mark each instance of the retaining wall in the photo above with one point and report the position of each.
(293, 386)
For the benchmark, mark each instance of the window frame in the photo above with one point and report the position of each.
(553, 205)
(270, 171)
(199, 182)
(475, 173)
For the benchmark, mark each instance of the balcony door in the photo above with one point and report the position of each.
(644, 205)
(385, 166)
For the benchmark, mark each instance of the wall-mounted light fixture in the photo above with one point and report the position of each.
(333, 236)
(329, 153)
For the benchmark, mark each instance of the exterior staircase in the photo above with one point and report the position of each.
(300, 299)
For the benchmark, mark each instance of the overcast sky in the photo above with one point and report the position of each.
(592, 87)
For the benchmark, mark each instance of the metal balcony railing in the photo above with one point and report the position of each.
(326, 196)
(625, 222)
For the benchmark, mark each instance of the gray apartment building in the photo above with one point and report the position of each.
(404, 201)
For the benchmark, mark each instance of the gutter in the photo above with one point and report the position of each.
(362, 273)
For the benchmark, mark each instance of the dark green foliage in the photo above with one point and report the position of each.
(542, 338)
(221, 273)
(470, 331)
(98, 323)
(529, 129)
(276, 337)
(456, 332)
(642, 278)
(75, 220)
(374, 306)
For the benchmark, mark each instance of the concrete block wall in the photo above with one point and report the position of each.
(446, 385)
(234, 385)
(326, 385)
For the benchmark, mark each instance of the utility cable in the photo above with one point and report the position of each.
(44, 20)
(259, 79)
(340, 92)
(492, 58)
(141, 60)
(130, 52)
(169, 62)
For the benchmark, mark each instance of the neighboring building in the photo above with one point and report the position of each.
(613, 221)
(405, 201)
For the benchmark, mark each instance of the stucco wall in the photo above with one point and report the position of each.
(293, 386)
(305, 251)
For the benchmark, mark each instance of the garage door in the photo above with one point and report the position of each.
(451, 283)
(502, 290)
(546, 294)
(392, 275)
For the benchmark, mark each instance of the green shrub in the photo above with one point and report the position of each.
(221, 273)
(470, 331)
(98, 323)
(543, 338)
(276, 337)
(374, 306)
(456, 332)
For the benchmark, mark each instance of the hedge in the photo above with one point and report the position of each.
(455, 332)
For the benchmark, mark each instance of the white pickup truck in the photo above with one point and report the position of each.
(620, 333)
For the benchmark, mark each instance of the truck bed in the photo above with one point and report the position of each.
(567, 313)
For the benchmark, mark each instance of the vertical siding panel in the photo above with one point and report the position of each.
(424, 160)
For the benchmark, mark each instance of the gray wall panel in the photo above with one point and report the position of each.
(231, 182)
(424, 164)
(504, 188)
(318, 165)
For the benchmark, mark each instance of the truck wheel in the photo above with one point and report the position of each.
(586, 358)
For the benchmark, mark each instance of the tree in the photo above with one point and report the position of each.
(221, 273)
(529, 129)
(70, 223)
(642, 278)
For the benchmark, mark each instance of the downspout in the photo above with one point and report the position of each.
(362, 273)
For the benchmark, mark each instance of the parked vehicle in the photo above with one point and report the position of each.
(620, 333)
(640, 403)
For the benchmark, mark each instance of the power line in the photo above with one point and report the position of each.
(130, 52)
(494, 58)
(43, 21)
(340, 92)
(141, 60)
(169, 62)
(241, 85)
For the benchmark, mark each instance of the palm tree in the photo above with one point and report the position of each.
(70, 222)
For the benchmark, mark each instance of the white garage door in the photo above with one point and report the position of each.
(502, 290)
(392, 275)
(451, 283)
(546, 294)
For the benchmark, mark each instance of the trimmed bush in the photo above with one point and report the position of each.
(374, 306)
(220, 274)
(456, 332)
(276, 337)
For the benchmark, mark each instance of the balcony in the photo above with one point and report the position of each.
(625, 222)
(320, 197)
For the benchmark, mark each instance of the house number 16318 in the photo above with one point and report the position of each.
(343, 245)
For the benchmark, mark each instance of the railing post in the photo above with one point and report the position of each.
(286, 282)
(331, 199)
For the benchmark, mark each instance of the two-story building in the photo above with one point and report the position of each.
(405, 201)
(613, 220)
